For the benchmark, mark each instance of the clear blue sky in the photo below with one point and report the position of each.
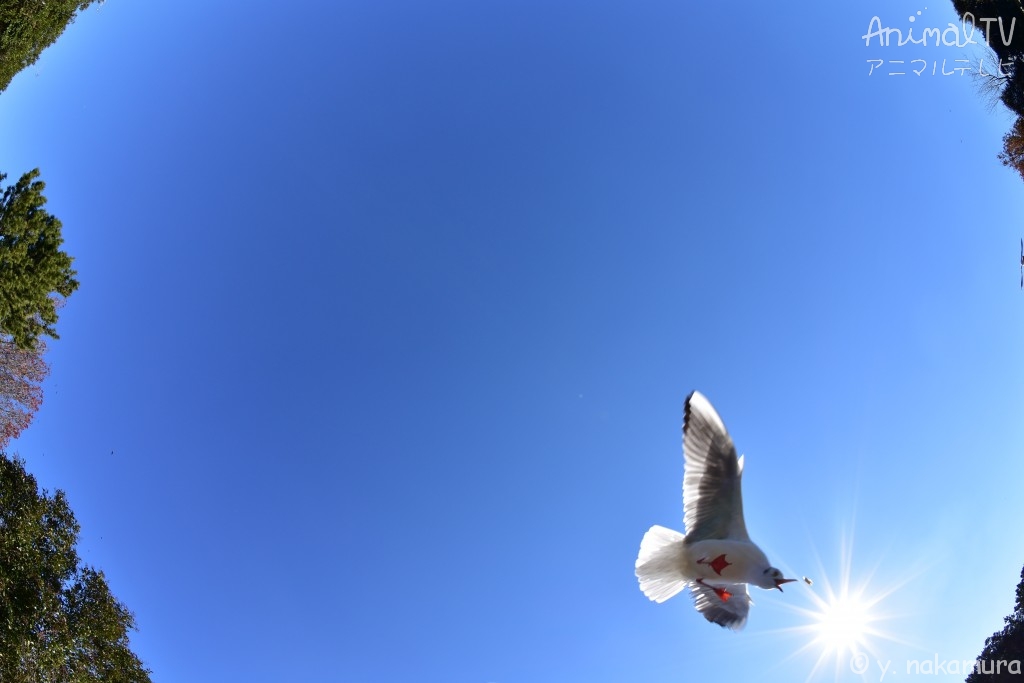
(388, 312)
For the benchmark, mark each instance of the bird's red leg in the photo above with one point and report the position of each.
(720, 592)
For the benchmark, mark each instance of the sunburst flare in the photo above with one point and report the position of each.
(844, 618)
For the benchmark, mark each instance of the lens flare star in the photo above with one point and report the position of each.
(842, 623)
(843, 620)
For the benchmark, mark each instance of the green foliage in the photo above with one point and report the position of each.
(58, 619)
(1006, 645)
(32, 264)
(27, 27)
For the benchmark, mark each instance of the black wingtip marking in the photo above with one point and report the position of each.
(686, 412)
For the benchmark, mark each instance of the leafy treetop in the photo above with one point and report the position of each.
(27, 27)
(58, 618)
(33, 267)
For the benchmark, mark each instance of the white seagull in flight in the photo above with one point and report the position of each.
(716, 558)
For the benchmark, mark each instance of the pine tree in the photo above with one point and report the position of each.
(33, 268)
(27, 27)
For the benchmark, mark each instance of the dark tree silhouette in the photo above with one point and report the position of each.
(58, 618)
(1005, 646)
(1001, 22)
(1005, 35)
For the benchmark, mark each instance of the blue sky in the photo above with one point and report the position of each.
(388, 312)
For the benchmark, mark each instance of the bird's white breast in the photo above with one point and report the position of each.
(719, 561)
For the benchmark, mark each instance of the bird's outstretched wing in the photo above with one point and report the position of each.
(730, 613)
(712, 500)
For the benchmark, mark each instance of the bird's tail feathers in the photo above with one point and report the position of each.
(659, 566)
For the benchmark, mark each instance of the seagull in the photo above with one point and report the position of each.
(716, 558)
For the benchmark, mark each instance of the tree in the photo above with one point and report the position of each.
(1000, 21)
(32, 265)
(1012, 155)
(1003, 38)
(21, 393)
(1004, 646)
(27, 27)
(58, 618)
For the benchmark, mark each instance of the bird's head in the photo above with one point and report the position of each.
(772, 578)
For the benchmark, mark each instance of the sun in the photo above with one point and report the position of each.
(843, 620)
(842, 625)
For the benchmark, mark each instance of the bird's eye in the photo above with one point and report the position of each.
(766, 570)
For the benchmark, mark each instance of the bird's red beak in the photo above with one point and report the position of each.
(779, 582)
